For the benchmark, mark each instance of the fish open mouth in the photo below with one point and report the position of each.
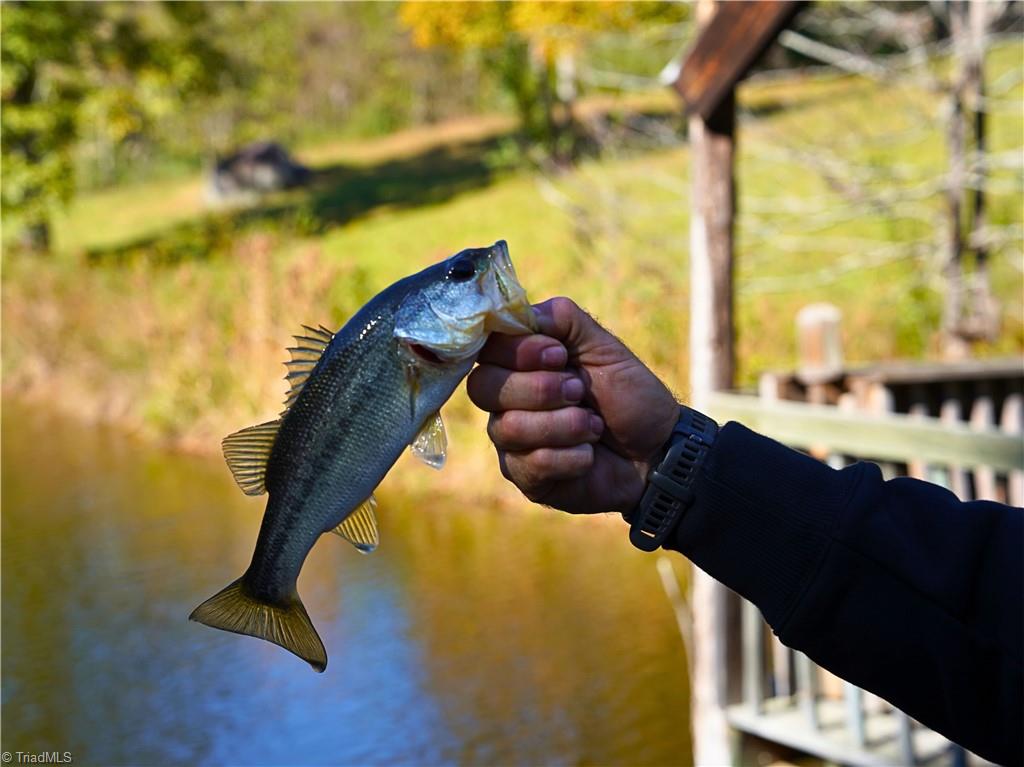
(513, 313)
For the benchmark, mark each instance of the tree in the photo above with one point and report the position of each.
(937, 51)
(533, 46)
(119, 66)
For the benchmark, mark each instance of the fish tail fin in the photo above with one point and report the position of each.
(287, 625)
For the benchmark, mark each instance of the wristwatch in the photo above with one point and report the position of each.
(670, 484)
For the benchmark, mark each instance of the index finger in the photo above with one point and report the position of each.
(524, 353)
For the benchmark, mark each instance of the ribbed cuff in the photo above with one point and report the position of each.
(762, 518)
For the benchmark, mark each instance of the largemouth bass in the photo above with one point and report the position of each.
(359, 397)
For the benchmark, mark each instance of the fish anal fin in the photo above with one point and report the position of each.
(247, 452)
(431, 444)
(286, 625)
(360, 527)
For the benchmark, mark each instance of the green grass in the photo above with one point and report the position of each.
(173, 320)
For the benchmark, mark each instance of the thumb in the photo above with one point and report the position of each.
(561, 318)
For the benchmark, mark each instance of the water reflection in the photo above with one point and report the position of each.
(470, 637)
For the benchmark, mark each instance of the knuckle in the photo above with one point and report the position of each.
(563, 312)
(543, 462)
(508, 428)
(578, 460)
(516, 469)
(561, 306)
(577, 423)
(545, 389)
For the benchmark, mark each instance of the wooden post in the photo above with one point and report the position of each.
(712, 150)
(819, 344)
(712, 147)
(733, 36)
(819, 356)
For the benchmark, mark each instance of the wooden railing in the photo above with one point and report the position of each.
(892, 437)
(784, 697)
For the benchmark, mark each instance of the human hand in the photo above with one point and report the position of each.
(575, 416)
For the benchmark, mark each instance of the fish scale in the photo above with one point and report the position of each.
(358, 398)
(321, 469)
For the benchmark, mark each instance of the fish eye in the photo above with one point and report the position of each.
(462, 270)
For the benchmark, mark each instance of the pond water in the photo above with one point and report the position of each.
(472, 636)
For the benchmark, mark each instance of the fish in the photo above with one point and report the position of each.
(358, 398)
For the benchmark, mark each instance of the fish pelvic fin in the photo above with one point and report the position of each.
(286, 625)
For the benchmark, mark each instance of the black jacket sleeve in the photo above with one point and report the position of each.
(898, 586)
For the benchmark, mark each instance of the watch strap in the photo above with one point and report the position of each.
(670, 485)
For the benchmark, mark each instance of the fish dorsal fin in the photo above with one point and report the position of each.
(247, 451)
(431, 444)
(305, 354)
(360, 527)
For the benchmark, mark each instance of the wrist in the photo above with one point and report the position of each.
(668, 492)
(631, 485)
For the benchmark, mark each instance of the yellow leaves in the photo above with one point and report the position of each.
(566, 18)
(549, 25)
(456, 25)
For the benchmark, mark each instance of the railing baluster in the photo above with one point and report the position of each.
(807, 687)
(781, 668)
(880, 402)
(753, 657)
(906, 737)
(919, 409)
(957, 756)
(950, 413)
(854, 698)
(1012, 422)
(983, 419)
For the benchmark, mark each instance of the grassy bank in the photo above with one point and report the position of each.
(173, 321)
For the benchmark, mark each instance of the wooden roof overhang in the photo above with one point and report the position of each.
(734, 39)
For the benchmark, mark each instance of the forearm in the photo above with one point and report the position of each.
(896, 586)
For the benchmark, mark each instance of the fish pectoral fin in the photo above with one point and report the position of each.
(286, 625)
(247, 452)
(431, 444)
(360, 527)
